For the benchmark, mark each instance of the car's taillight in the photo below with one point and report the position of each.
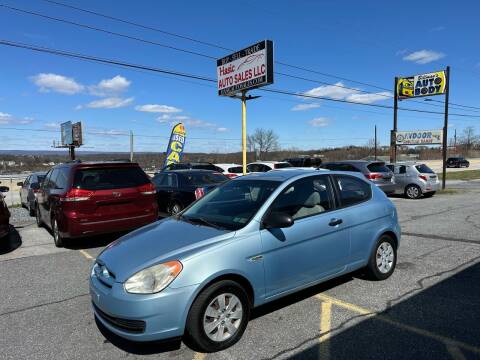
(77, 195)
(231, 176)
(373, 176)
(199, 192)
(35, 191)
(423, 177)
(147, 189)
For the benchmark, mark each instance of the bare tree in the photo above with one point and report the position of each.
(263, 141)
(468, 139)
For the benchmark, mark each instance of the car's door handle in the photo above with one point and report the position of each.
(335, 222)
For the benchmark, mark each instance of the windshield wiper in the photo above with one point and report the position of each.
(200, 220)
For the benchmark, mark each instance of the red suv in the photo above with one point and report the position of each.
(4, 214)
(80, 199)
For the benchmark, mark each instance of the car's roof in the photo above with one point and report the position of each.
(279, 175)
(227, 164)
(267, 162)
(78, 163)
(189, 171)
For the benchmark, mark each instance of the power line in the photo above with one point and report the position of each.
(198, 77)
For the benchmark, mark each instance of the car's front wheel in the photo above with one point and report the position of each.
(174, 208)
(383, 259)
(218, 317)
(413, 191)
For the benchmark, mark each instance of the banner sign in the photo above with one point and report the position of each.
(67, 134)
(421, 85)
(77, 136)
(176, 145)
(419, 137)
(246, 69)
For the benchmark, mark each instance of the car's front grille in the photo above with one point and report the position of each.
(133, 326)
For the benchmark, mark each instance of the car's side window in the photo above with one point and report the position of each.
(61, 180)
(351, 190)
(402, 169)
(252, 168)
(46, 180)
(305, 197)
(158, 179)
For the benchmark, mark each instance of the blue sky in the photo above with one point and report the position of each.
(370, 42)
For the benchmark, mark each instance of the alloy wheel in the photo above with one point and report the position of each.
(385, 257)
(223, 317)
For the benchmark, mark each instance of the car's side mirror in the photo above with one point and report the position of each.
(276, 220)
(20, 183)
(35, 186)
(4, 188)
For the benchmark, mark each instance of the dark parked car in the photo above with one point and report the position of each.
(80, 199)
(178, 189)
(191, 166)
(457, 162)
(4, 214)
(29, 189)
(375, 171)
(304, 161)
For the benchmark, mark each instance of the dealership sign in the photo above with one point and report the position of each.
(246, 69)
(419, 137)
(421, 85)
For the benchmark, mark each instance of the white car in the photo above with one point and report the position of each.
(264, 166)
(230, 170)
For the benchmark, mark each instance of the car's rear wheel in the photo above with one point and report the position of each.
(218, 317)
(413, 191)
(383, 259)
(38, 217)
(429, 194)
(175, 208)
(57, 238)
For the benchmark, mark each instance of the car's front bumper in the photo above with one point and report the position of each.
(163, 314)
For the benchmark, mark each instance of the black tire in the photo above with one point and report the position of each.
(31, 211)
(429, 194)
(174, 208)
(37, 217)
(373, 269)
(57, 238)
(413, 191)
(196, 336)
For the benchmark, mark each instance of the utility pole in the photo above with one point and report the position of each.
(244, 131)
(131, 146)
(393, 135)
(455, 142)
(445, 127)
(375, 142)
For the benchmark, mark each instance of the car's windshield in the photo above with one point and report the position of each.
(232, 205)
(422, 168)
(200, 179)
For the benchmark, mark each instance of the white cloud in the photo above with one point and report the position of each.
(111, 86)
(109, 103)
(181, 117)
(155, 108)
(319, 122)
(369, 98)
(57, 83)
(424, 56)
(199, 123)
(111, 132)
(164, 118)
(8, 119)
(437, 28)
(52, 125)
(222, 129)
(339, 92)
(303, 107)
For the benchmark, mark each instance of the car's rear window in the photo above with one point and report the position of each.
(109, 178)
(236, 170)
(205, 167)
(378, 167)
(422, 168)
(282, 165)
(205, 179)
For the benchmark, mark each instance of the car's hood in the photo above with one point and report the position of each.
(165, 240)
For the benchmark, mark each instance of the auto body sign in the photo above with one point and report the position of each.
(421, 85)
(419, 137)
(246, 69)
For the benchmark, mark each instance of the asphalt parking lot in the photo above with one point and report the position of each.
(428, 309)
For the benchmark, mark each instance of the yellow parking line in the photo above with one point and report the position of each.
(355, 308)
(199, 356)
(325, 327)
(86, 254)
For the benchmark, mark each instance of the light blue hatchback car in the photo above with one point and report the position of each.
(252, 240)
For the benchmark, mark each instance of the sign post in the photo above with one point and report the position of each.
(445, 127)
(244, 70)
(393, 135)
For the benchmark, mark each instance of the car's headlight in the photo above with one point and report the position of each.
(153, 279)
